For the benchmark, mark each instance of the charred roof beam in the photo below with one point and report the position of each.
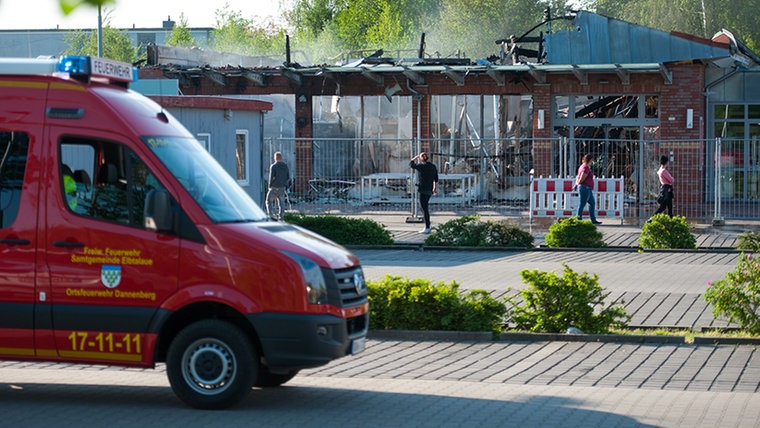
(457, 77)
(375, 77)
(497, 76)
(581, 75)
(414, 76)
(666, 74)
(332, 77)
(623, 74)
(256, 78)
(293, 76)
(539, 75)
(216, 77)
(185, 79)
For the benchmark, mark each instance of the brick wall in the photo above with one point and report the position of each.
(685, 93)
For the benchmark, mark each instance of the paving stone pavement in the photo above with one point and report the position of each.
(677, 367)
(421, 383)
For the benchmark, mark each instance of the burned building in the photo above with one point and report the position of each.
(624, 93)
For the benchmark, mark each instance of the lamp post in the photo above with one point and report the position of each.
(100, 33)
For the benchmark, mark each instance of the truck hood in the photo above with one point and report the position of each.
(284, 236)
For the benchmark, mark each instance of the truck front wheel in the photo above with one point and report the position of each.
(211, 364)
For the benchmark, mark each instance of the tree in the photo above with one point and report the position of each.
(116, 44)
(180, 35)
(739, 17)
(362, 24)
(469, 26)
(236, 34)
(311, 17)
(356, 22)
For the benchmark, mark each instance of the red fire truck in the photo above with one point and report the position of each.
(123, 242)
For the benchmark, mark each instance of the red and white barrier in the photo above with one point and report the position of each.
(555, 197)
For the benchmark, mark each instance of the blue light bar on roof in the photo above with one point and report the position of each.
(74, 65)
(86, 66)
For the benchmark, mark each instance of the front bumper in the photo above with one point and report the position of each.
(298, 341)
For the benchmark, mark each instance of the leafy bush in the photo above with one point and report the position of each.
(470, 231)
(664, 231)
(573, 233)
(552, 304)
(749, 241)
(343, 230)
(737, 296)
(401, 304)
(481, 312)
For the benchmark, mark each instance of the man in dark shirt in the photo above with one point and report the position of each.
(279, 179)
(427, 184)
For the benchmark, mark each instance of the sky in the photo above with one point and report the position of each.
(46, 14)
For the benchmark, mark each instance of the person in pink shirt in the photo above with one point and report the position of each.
(585, 184)
(666, 188)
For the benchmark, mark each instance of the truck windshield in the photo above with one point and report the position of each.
(210, 185)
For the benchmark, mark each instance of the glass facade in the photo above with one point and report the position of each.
(738, 128)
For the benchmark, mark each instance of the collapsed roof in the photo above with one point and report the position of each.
(596, 44)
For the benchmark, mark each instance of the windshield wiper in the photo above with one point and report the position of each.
(244, 220)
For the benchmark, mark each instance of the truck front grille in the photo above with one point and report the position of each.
(350, 289)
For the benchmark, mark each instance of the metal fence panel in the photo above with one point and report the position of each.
(492, 177)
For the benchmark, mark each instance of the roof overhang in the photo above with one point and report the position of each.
(378, 75)
(539, 72)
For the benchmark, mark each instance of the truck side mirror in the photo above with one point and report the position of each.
(159, 215)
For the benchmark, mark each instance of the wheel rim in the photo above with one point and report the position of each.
(208, 366)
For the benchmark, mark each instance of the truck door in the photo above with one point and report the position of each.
(109, 274)
(18, 239)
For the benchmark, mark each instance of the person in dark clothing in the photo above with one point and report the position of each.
(279, 179)
(666, 189)
(427, 184)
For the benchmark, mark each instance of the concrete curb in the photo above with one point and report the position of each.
(485, 336)
(432, 335)
(703, 340)
(422, 247)
(604, 338)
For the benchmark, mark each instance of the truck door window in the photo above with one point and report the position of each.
(106, 181)
(14, 147)
(212, 188)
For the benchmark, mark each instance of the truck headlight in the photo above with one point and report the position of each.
(316, 286)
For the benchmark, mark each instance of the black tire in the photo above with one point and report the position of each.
(211, 364)
(268, 379)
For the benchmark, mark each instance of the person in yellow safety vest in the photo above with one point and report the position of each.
(70, 188)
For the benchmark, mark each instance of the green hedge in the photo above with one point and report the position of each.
(553, 303)
(737, 296)
(573, 233)
(471, 231)
(663, 231)
(398, 303)
(749, 241)
(343, 230)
